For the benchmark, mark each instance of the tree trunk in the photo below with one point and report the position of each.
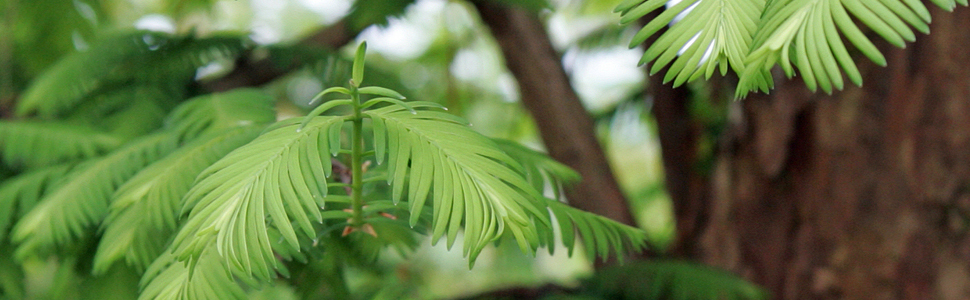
(861, 195)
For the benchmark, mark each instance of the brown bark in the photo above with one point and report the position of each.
(565, 126)
(861, 195)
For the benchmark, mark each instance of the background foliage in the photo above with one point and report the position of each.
(109, 115)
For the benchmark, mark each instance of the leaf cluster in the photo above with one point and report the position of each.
(751, 37)
(212, 197)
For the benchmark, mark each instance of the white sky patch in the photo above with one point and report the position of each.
(564, 31)
(603, 78)
(508, 87)
(267, 21)
(408, 37)
(264, 34)
(329, 10)
(157, 23)
(467, 65)
(457, 18)
(400, 40)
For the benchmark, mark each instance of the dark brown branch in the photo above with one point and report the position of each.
(256, 71)
(564, 124)
(679, 135)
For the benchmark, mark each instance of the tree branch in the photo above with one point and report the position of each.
(564, 124)
(256, 71)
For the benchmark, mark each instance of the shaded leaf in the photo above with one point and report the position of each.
(19, 194)
(540, 169)
(600, 234)
(169, 279)
(216, 112)
(38, 143)
(119, 60)
(80, 200)
(145, 209)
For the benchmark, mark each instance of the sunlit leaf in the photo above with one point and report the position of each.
(274, 181)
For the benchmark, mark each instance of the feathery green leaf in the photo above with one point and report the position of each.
(120, 60)
(282, 174)
(713, 34)
(19, 194)
(599, 234)
(36, 143)
(753, 37)
(80, 201)
(540, 169)
(146, 208)
(216, 112)
(470, 180)
(169, 279)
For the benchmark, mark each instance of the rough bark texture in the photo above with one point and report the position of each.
(860, 195)
(565, 126)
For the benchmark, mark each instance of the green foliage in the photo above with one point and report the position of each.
(751, 37)
(38, 39)
(121, 60)
(146, 208)
(80, 201)
(24, 143)
(259, 203)
(19, 194)
(211, 197)
(232, 197)
(168, 278)
(474, 183)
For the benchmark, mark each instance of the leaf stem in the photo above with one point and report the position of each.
(357, 165)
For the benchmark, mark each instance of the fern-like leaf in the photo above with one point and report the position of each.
(145, 209)
(169, 279)
(474, 183)
(118, 61)
(281, 174)
(35, 143)
(19, 194)
(600, 234)
(753, 37)
(540, 169)
(216, 112)
(80, 201)
(712, 35)
(805, 34)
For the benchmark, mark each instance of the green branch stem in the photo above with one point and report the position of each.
(356, 156)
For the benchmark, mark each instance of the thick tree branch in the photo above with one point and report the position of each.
(679, 135)
(564, 124)
(255, 71)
